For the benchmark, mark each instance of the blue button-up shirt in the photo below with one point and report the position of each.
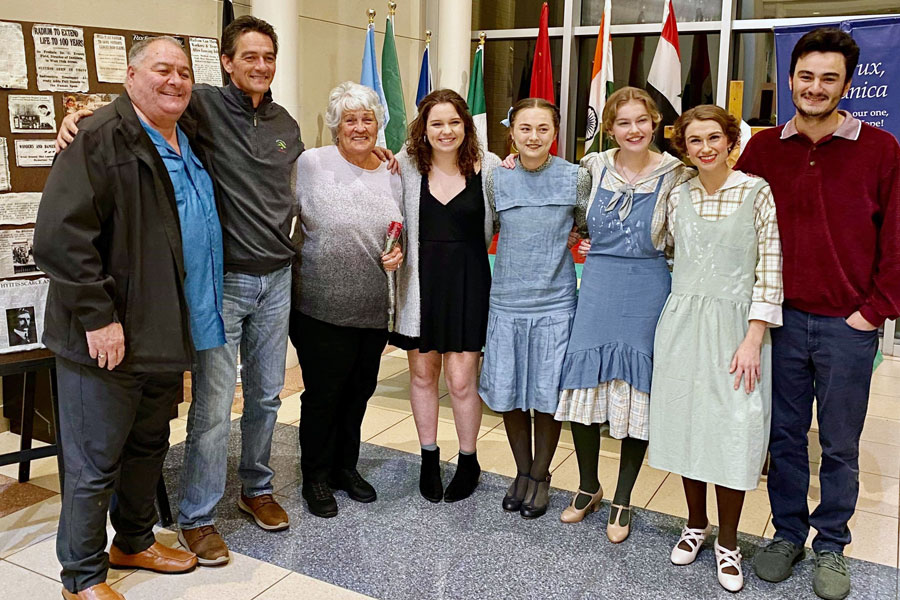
(201, 236)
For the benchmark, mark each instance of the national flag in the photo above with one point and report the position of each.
(371, 79)
(227, 18)
(395, 128)
(475, 97)
(664, 79)
(601, 84)
(698, 89)
(542, 71)
(425, 83)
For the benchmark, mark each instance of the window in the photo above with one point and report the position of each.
(754, 64)
(781, 9)
(507, 79)
(650, 11)
(632, 57)
(512, 14)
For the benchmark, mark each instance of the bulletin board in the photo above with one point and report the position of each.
(32, 106)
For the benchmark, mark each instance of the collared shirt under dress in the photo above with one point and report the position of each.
(532, 299)
(202, 238)
(625, 282)
(700, 426)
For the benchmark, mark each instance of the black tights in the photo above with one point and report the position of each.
(546, 437)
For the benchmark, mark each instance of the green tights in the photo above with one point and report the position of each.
(587, 450)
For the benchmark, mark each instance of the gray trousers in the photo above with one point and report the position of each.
(114, 435)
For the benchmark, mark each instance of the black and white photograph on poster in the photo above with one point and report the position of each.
(16, 254)
(13, 71)
(31, 114)
(109, 54)
(75, 102)
(23, 304)
(20, 326)
(19, 208)
(4, 166)
(59, 58)
(137, 37)
(35, 153)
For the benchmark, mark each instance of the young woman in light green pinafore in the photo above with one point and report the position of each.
(711, 387)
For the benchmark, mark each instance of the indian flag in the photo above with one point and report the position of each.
(475, 99)
(601, 84)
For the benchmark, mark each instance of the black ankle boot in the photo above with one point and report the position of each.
(537, 498)
(430, 485)
(465, 480)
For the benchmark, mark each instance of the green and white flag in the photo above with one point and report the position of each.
(601, 84)
(475, 99)
(395, 130)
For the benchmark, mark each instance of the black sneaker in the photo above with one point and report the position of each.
(776, 561)
(352, 482)
(319, 499)
(831, 578)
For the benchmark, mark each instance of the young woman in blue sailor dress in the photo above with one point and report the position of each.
(532, 299)
(625, 282)
(712, 368)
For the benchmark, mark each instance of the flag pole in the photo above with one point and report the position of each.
(371, 14)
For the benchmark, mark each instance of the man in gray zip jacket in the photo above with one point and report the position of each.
(253, 144)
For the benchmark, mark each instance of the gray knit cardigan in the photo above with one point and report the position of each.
(408, 296)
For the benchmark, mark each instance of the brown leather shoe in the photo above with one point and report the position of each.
(207, 544)
(157, 557)
(101, 591)
(267, 513)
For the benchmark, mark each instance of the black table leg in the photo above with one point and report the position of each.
(162, 502)
(27, 423)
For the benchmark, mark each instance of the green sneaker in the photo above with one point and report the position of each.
(831, 578)
(776, 561)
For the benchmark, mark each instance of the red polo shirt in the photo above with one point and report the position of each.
(838, 206)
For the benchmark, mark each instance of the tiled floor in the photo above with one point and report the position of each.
(28, 512)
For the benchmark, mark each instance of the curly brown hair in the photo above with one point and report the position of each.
(420, 150)
(731, 127)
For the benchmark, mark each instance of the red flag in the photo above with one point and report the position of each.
(542, 69)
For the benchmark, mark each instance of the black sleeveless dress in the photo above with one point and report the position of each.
(454, 273)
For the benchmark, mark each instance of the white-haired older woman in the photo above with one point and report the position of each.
(346, 198)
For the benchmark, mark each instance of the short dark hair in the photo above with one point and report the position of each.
(243, 25)
(828, 39)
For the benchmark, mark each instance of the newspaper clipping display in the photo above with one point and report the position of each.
(13, 71)
(137, 37)
(109, 52)
(35, 153)
(75, 102)
(4, 166)
(19, 208)
(59, 58)
(205, 60)
(16, 255)
(31, 114)
(22, 304)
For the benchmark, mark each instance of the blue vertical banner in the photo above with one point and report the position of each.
(874, 95)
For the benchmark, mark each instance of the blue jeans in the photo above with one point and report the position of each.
(821, 357)
(256, 311)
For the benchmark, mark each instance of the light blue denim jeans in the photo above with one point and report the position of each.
(256, 311)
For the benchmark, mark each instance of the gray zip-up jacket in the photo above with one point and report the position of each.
(253, 151)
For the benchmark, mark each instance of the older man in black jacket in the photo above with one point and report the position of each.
(108, 234)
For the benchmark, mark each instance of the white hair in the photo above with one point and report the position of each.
(136, 54)
(350, 96)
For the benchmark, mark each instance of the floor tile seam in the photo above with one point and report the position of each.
(369, 440)
(38, 540)
(878, 514)
(33, 571)
(396, 410)
(286, 575)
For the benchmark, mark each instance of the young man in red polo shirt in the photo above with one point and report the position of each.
(836, 184)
